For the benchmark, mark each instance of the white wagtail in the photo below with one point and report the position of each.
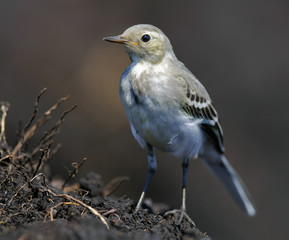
(170, 110)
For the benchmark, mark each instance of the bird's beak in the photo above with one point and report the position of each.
(119, 39)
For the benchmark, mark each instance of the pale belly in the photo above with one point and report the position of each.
(153, 128)
(167, 131)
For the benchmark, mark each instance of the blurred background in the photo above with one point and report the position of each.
(238, 49)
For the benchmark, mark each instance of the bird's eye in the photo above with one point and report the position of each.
(145, 38)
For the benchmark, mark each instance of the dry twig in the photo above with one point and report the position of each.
(94, 211)
(48, 135)
(44, 156)
(61, 203)
(29, 132)
(74, 172)
(4, 108)
(36, 104)
(25, 184)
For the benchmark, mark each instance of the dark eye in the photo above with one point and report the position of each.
(145, 38)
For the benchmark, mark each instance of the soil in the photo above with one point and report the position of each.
(34, 209)
(34, 205)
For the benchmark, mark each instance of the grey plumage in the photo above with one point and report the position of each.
(170, 110)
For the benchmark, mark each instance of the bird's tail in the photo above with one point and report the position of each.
(222, 169)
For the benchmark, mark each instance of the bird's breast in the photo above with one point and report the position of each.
(151, 104)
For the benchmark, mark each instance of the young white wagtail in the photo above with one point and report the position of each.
(170, 110)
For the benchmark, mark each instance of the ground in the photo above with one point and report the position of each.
(35, 205)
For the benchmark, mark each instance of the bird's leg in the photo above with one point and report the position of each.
(182, 211)
(185, 165)
(152, 166)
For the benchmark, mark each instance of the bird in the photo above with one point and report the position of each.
(170, 110)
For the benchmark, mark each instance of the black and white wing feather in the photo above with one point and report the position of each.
(201, 108)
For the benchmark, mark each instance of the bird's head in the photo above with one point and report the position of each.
(144, 42)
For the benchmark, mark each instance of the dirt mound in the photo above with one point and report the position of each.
(33, 205)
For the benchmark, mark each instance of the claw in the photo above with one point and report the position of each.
(183, 214)
(181, 211)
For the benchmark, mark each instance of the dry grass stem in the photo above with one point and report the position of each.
(74, 172)
(30, 130)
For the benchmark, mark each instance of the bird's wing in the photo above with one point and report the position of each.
(199, 106)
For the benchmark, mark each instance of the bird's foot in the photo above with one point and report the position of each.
(182, 213)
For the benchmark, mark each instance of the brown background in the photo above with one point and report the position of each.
(238, 50)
